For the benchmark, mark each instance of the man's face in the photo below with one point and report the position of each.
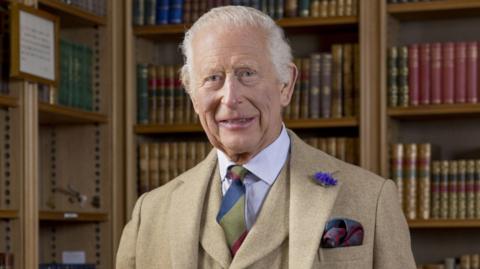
(236, 92)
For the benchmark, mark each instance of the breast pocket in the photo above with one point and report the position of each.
(354, 253)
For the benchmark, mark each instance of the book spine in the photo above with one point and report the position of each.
(436, 77)
(444, 169)
(295, 103)
(150, 12)
(460, 72)
(410, 178)
(424, 161)
(142, 93)
(425, 73)
(470, 189)
(331, 146)
(341, 148)
(403, 77)
(337, 85)
(165, 175)
(356, 78)
(326, 85)
(291, 8)
(453, 190)
(462, 189)
(472, 72)
(154, 160)
(355, 4)
(279, 10)
(477, 189)
(314, 98)
(315, 8)
(348, 7)
(188, 106)
(152, 95)
(448, 82)
(173, 160)
(324, 8)
(161, 94)
(350, 157)
(435, 187)
(348, 80)
(170, 94)
(163, 7)
(187, 11)
(179, 100)
(332, 8)
(304, 8)
(176, 11)
(138, 12)
(340, 8)
(182, 156)
(305, 80)
(144, 171)
(413, 74)
(196, 10)
(396, 168)
(392, 77)
(270, 8)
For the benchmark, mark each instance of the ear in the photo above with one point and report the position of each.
(286, 91)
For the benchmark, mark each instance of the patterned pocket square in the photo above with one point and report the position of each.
(342, 233)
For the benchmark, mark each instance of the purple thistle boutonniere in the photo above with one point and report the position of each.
(324, 179)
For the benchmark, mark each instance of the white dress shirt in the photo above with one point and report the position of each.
(264, 169)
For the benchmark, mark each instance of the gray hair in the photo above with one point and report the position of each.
(280, 51)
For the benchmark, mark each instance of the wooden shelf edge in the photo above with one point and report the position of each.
(425, 224)
(434, 110)
(402, 9)
(87, 17)
(153, 30)
(293, 124)
(8, 214)
(58, 114)
(8, 101)
(73, 216)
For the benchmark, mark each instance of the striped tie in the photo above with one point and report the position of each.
(232, 212)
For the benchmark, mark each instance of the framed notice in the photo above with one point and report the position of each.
(34, 45)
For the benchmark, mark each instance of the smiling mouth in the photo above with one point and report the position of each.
(238, 123)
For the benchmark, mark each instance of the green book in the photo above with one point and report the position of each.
(142, 93)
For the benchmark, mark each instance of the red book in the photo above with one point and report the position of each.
(472, 71)
(436, 76)
(425, 74)
(413, 74)
(448, 82)
(460, 72)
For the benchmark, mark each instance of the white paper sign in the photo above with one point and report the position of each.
(37, 46)
(73, 257)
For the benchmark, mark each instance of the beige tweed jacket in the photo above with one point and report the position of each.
(174, 226)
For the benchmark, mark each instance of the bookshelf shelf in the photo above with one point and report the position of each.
(434, 9)
(153, 31)
(71, 16)
(55, 114)
(8, 214)
(293, 124)
(73, 216)
(434, 111)
(8, 101)
(427, 224)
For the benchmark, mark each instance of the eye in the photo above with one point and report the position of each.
(246, 73)
(213, 78)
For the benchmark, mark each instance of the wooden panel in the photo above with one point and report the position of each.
(162, 129)
(57, 114)
(72, 16)
(435, 9)
(427, 224)
(8, 214)
(8, 101)
(73, 216)
(434, 111)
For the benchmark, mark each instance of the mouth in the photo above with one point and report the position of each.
(236, 123)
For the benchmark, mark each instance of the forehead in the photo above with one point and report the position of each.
(229, 45)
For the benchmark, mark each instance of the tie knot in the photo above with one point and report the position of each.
(237, 172)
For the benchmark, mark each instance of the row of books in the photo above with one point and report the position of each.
(76, 68)
(161, 97)
(156, 12)
(433, 73)
(162, 162)
(6, 260)
(471, 261)
(435, 189)
(408, 1)
(97, 7)
(327, 85)
(4, 50)
(343, 148)
(66, 266)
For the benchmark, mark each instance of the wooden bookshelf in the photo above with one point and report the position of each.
(57, 114)
(153, 31)
(72, 16)
(73, 216)
(8, 101)
(434, 9)
(167, 128)
(427, 224)
(434, 111)
(8, 214)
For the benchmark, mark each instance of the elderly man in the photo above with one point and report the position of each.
(262, 198)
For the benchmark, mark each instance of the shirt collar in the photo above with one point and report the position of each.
(266, 164)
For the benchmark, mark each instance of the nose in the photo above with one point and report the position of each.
(231, 91)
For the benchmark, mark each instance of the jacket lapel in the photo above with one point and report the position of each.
(212, 236)
(185, 212)
(310, 203)
(271, 227)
